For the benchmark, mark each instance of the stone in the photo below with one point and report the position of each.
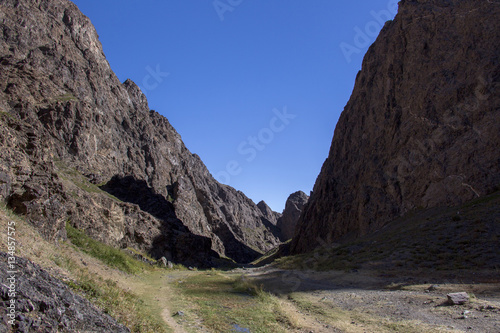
(433, 287)
(163, 262)
(420, 128)
(457, 298)
(170, 265)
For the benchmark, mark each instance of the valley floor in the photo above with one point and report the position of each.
(368, 286)
(302, 301)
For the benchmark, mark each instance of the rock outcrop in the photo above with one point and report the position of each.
(268, 213)
(291, 214)
(71, 131)
(45, 304)
(421, 127)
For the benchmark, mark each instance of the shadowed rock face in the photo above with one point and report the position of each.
(65, 114)
(421, 127)
(293, 208)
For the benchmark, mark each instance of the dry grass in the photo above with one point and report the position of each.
(356, 321)
(105, 287)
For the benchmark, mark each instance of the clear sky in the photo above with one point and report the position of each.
(254, 87)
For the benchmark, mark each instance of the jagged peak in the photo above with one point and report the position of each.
(136, 96)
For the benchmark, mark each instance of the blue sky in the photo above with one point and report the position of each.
(254, 87)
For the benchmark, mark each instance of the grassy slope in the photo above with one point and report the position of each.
(103, 285)
(458, 239)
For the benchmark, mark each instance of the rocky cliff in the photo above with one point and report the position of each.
(421, 128)
(268, 213)
(291, 214)
(78, 145)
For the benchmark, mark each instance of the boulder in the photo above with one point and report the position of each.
(458, 298)
(163, 262)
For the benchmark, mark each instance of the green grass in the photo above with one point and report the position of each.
(9, 212)
(74, 176)
(271, 255)
(109, 255)
(66, 97)
(226, 303)
(125, 306)
(5, 114)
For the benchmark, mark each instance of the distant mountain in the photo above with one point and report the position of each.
(293, 208)
(268, 213)
(78, 145)
(421, 128)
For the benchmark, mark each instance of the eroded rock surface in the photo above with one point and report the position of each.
(421, 127)
(291, 214)
(66, 120)
(45, 304)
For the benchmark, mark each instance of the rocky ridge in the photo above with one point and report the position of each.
(75, 140)
(421, 127)
(291, 214)
(268, 213)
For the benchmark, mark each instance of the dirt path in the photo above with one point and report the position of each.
(167, 312)
(158, 287)
(155, 289)
(167, 317)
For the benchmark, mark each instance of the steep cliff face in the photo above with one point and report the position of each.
(291, 214)
(67, 120)
(421, 127)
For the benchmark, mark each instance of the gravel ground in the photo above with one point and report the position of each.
(381, 297)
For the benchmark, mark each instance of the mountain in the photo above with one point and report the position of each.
(291, 214)
(421, 128)
(268, 213)
(79, 146)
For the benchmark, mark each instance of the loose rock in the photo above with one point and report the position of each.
(458, 298)
(163, 262)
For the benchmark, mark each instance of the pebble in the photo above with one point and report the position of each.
(432, 288)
